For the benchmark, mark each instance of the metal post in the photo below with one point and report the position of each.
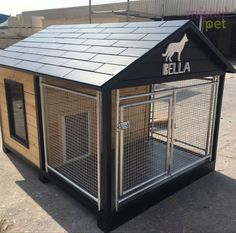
(44, 124)
(172, 129)
(210, 118)
(168, 159)
(214, 118)
(90, 11)
(121, 151)
(117, 150)
(128, 10)
(153, 110)
(98, 105)
(217, 116)
(201, 23)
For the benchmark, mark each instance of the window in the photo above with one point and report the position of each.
(16, 111)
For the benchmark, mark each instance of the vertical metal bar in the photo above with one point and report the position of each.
(201, 23)
(213, 119)
(220, 92)
(168, 159)
(98, 105)
(121, 151)
(44, 125)
(153, 110)
(128, 10)
(173, 118)
(90, 11)
(117, 151)
(211, 109)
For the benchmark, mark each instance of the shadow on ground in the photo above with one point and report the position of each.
(207, 205)
(69, 213)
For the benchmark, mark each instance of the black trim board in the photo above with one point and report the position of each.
(144, 202)
(39, 123)
(68, 188)
(212, 52)
(104, 216)
(154, 80)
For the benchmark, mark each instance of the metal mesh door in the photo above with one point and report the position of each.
(144, 143)
(71, 122)
(165, 134)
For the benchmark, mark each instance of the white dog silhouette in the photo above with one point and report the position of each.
(176, 47)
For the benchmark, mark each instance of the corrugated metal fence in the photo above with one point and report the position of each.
(184, 7)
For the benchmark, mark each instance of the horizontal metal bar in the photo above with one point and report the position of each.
(185, 143)
(73, 184)
(146, 102)
(145, 182)
(70, 91)
(166, 179)
(165, 91)
(191, 165)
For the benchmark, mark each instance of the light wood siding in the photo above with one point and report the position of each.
(31, 153)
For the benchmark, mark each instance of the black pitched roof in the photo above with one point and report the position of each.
(94, 54)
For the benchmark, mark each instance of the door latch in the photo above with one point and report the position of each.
(123, 125)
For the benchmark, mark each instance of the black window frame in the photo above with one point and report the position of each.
(10, 111)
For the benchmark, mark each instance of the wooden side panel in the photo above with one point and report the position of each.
(31, 153)
(69, 85)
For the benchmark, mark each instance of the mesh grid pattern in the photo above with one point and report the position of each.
(147, 144)
(142, 159)
(71, 136)
(193, 115)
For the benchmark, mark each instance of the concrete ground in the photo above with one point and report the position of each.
(208, 205)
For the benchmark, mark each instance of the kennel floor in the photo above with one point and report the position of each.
(142, 161)
(146, 161)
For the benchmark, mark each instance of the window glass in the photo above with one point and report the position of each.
(16, 111)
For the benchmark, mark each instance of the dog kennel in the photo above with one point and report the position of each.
(121, 115)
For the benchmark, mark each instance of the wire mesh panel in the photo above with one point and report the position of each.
(72, 137)
(193, 115)
(172, 130)
(144, 150)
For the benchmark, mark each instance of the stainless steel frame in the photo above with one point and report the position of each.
(97, 98)
(121, 195)
(122, 107)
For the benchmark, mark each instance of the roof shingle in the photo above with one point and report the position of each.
(88, 53)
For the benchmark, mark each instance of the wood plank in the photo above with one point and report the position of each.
(29, 102)
(20, 77)
(34, 158)
(31, 153)
(69, 85)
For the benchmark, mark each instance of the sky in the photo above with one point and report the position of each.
(14, 7)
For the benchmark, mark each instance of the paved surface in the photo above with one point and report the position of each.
(208, 205)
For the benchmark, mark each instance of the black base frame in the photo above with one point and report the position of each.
(145, 201)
